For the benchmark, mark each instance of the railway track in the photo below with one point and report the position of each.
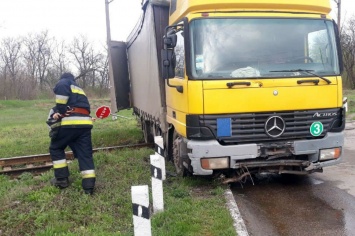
(36, 164)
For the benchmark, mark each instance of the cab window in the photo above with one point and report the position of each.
(180, 55)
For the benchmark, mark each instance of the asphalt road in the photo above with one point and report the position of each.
(317, 204)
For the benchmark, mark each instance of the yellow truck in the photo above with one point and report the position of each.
(236, 86)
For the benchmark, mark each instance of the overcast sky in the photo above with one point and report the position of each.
(68, 18)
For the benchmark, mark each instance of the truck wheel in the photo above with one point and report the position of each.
(177, 158)
(147, 132)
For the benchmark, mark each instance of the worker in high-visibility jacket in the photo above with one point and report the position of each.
(73, 111)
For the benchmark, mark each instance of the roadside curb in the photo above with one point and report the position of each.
(238, 224)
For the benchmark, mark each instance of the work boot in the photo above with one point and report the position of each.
(60, 182)
(89, 191)
(88, 185)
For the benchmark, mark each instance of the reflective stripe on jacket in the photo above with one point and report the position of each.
(69, 94)
(76, 120)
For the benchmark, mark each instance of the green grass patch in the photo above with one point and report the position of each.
(30, 206)
(193, 205)
(24, 131)
(350, 94)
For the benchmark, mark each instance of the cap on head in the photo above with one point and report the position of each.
(67, 75)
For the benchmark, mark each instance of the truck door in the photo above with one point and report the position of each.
(177, 89)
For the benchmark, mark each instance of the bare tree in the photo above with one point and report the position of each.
(3, 82)
(10, 54)
(348, 48)
(59, 63)
(31, 64)
(30, 58)
(60, 59)
(103, 71)
(38, 55)
(85, 58)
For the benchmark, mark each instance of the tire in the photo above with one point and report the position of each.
(147, 132)
(177, 159)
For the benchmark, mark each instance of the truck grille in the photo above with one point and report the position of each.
(251, 127)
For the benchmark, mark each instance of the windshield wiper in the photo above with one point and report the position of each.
(306, 71)
(215, 76)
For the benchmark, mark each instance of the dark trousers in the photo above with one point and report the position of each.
(79, 140)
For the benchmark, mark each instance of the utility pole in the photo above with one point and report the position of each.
(338, 2)
(110, 69)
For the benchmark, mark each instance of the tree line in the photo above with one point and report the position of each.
(31, 65)
(347, 41)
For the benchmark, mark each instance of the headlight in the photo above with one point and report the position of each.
(215, 163)
(329, 154)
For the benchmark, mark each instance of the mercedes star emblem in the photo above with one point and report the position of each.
(275, 126)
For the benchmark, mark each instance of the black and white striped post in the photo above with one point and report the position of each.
(159, 150)
(157, 183)
(141, 211)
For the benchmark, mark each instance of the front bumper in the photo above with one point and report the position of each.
(238, 153)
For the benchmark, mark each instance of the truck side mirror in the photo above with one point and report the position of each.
(168, 63)
(167, 54)
(171, 39)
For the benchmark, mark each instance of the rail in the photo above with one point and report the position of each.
(15, 166)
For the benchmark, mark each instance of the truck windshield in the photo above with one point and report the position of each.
(262, 48)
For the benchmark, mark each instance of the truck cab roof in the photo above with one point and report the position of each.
(181, 8)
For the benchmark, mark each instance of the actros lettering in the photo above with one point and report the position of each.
(325, 114)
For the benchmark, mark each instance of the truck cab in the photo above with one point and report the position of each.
(253, 85)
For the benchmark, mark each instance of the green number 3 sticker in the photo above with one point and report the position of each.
(316, 128)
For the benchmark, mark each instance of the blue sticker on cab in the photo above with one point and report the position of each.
(224, 127)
